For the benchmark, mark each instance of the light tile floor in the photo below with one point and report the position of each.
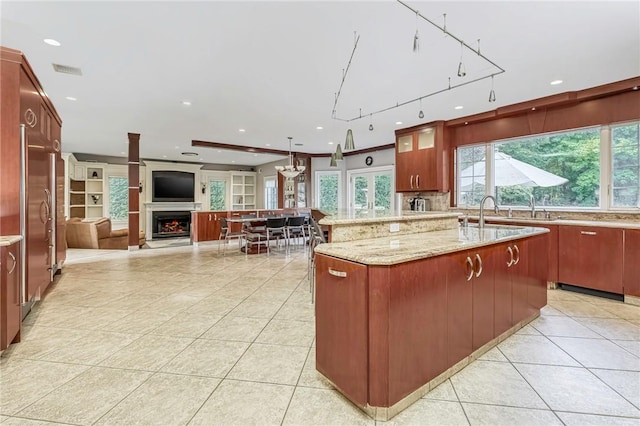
(182, 335)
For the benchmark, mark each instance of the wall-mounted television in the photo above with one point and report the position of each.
(173, 186)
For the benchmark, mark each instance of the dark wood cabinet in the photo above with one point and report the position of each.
(205, 226)
(591, 257)
(421, 163)
(24, 102)
(341, 336)
(537, 267)
(631, 262)
(459, 272)
(10, 305)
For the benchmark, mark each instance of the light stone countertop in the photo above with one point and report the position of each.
(405, 248)
(7, 240)
(377, 216)
(543, 222)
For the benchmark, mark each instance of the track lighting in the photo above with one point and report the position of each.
(416, 38)
(461, 70)
(370, 128)
(421, 113)
(492, 93)
(338, 155)
(349, 144)
(333, 163)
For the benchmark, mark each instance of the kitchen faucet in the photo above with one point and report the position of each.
(532, 204)
(495, 208)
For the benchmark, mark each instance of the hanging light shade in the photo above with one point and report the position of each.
(333, 162)
(290, 170)
(348, 143)
(338, 153)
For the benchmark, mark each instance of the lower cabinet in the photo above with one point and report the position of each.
(591, 257)
(10, 304)
(384, 331)
(205, 226)
(631, 263)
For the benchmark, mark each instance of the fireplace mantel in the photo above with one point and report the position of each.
(159, 206)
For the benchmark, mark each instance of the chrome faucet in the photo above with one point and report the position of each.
(532, 204)
(495, 208)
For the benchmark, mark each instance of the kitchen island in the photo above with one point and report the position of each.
(397, 315)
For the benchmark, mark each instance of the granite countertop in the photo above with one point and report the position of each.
(7, 240)
(405, 248)
(543, 222)
(365, 216)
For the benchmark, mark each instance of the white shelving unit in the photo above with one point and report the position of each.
(243, 191)
(85, 189)
(94, 192)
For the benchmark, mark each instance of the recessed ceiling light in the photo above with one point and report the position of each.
(319, 128)
(255, 155)
(533, 109)
(267, 144)
(123, 153)
(190, 154)
(71, 98)
(555, 82)
(634, 88)
(164, 156)
(219, 150)
(187, 103)
(233, 161)
(51, 42)
(398, 122)
(176, 147)
(466, 122)
(330, 143)
(241, 130)
(200, 159)
(458, 107)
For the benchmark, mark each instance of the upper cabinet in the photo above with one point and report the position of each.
(421, 162)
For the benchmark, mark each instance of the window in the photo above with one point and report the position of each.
(557, 170)
(328, 191)
(625, 166)
(118, 198)
(270, 192)
(217, 194)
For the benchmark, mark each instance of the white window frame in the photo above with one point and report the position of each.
(318, 175)
(606, 171)
(109, 173)
(264, 186)
(377, 169)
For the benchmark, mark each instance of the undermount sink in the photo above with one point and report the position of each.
(527, 219)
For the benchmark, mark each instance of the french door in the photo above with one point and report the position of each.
(371, 189)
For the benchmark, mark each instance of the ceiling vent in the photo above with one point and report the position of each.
(66, 69)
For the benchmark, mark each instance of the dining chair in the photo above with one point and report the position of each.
(295, 228)
(275, 230)
(227, 235)
(316, 237)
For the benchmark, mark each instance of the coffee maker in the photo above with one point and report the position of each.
(418, 204)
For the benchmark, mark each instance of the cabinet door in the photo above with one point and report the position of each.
(537, 249)
(591, 257)
(341, 325)
(425, 161)
(631, 267)
(417, 325)
(459, 304)
(483, 294)
(405, 156)
(10, 295)
(519, 281)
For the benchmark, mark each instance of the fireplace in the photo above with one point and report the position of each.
(170, 224)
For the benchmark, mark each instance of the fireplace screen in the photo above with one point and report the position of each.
(171, 224)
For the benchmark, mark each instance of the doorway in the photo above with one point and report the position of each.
(371, 189)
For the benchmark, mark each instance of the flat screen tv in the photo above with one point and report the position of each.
(172, 186)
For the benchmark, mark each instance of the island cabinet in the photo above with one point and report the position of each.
(631, 266)
(591, 257)
(205, 226)
(385, 331)
(10, 307)
(420, 159)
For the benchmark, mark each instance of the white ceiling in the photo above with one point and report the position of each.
(272, 68)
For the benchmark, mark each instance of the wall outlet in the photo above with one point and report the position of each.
(394, 227)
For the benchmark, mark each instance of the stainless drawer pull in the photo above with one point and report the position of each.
(479, 271)
(588, 233)
(515, 247)
(335, 273)
(510, 262)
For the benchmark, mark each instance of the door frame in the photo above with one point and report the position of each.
(373, 170)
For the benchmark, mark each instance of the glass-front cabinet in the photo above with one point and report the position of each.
(243, 191)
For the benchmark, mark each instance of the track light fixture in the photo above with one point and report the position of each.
(492, 93)
(461, 70)
(421, 113)
(416, 38)
(370, 127)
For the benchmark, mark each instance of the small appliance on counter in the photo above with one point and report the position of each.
(419, 204)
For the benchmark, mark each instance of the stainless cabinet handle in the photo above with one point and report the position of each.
(588, 233)
(417, 181)
(517, 250)
(15, 262)
(411, 181)
(209, 217)
(479, 271)
(470, 263)
(335, 273)
(510, 262)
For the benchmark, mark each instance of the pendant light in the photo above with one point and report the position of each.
(348, 143)
(416, 38)
(461, 70)
(338, 153)
(333, 162)
(492, 93)
(290, 170)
